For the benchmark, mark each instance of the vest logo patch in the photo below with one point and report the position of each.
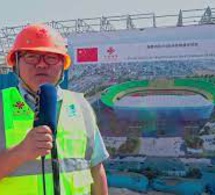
(19, 105)
(71, 110)
(20, 109)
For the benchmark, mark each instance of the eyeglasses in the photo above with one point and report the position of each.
(35, 58)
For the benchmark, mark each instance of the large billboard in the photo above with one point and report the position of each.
(143, 45)
(153, 91)
(151, 51)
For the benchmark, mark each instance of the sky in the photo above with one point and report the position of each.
(21, 12)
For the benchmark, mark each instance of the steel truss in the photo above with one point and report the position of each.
(112, 23)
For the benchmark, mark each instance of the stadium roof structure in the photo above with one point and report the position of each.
(196, 85)
(112, 23)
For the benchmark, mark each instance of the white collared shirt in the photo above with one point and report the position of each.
(30, 99)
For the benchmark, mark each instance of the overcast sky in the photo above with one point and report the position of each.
(19, 12)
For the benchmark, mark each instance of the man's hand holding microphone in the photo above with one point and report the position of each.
(38, 142)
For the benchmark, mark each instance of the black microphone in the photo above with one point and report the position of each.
(46, 107)
(46, 114)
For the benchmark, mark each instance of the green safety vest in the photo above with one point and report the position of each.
(75, 140)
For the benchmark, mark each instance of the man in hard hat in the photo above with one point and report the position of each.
(39, 56)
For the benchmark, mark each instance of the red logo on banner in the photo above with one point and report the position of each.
(110, 50)
(111, 54)
(87, 54)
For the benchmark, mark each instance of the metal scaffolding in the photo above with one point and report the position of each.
(112, 23)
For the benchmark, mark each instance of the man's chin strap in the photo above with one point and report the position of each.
(17, 72)
(61, 77)
(27, 87)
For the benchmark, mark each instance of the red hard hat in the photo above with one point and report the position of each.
(39, 37)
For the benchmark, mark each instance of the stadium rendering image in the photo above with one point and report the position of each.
(175, 101)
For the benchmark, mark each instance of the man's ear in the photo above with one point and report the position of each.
(16, 63)
(14, 69)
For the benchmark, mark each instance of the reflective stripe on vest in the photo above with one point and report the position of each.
(72, 141)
